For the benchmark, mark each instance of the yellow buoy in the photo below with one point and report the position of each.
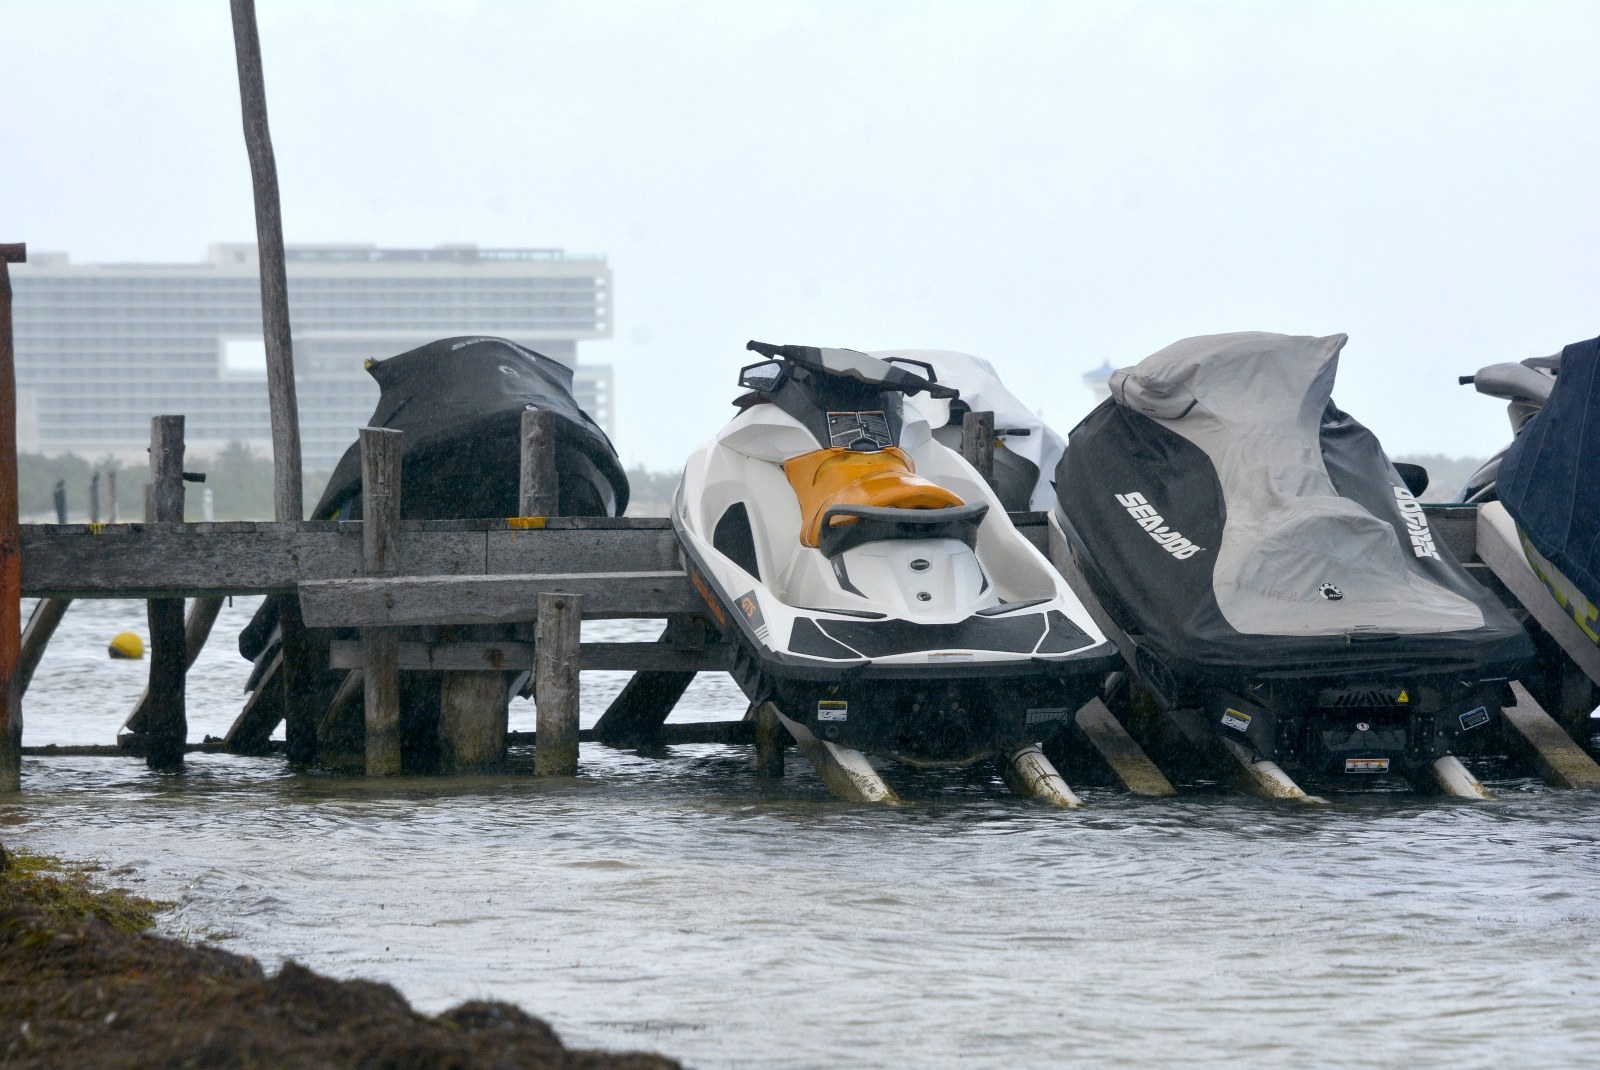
(126, 645)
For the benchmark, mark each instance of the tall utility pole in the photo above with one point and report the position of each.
(10, 541)
(288, 497)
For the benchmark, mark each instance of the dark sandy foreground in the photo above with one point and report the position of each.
(81, 985)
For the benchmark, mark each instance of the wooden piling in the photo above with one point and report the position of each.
(10, 540)
(288, 495)
(94, 498)
(197, 625)
(381, 450)
(557, 638)
(472, 721)
(166, 723)
(771, 737)
(977, 443)
(635, 716)
(539, 493)
(47, 614)
(111, 495)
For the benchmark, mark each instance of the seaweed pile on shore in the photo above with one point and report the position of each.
(81, 984)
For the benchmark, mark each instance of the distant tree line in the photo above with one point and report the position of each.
(240, 483)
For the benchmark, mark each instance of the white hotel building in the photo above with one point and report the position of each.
(101, 348)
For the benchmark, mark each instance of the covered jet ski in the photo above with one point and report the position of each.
(1026, 449)
(871, 584)
(1270, 567)
(1545, 483)
(460, 403)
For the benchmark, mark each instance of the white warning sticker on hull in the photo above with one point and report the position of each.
(1236, 719)
(829, 709)
(1366, 765)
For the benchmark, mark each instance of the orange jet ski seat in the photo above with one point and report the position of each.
(826, 478)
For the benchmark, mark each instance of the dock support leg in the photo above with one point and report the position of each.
(167, 724)
(10, 538)
(977, 443)
(1125, 757)
(381, 452)
(472, 721)
(1030, 774)
(555, 683)
(1453, 778)
(771, 738)
(1263, 777)
(42, 625)
(1560, 761)
(197, 625)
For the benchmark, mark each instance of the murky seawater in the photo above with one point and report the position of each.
(678, 904)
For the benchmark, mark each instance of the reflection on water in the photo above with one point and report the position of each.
(677, 903)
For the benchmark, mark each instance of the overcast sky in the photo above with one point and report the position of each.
(1048, 185)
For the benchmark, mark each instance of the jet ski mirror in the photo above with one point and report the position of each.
(764, 377)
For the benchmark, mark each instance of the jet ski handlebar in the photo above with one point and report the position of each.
(851, 364)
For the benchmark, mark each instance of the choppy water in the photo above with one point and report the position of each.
(678, 904)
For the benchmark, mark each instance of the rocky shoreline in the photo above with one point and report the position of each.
(83, 984)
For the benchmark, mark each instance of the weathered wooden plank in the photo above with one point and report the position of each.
(197, 625)
(10, 558)
(552, 549)
(187, 560)
(977, 443)
(1456, 526)
(472, 721)
(251, 731)
(492, 599)
(1501, 550)
(381, 460)
(495, 655)
(1560, 761)
(1125, 757)
(42, 624)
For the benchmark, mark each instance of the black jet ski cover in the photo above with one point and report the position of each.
(1547, 477)
(1237, 524)
(460, 402)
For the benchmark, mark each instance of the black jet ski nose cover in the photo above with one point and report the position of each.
(1546, 478)
(1233, 520)
(460, 403)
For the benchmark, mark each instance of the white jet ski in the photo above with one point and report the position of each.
(870, 582)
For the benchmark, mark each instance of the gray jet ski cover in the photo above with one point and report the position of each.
(1234, 521)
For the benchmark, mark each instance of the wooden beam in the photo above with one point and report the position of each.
(495, 655)
(288, 495)
(251, 731)
(1126, 758)
(10, 541)
(492, 599)
(1501, 550)
(1558, 758)
(42, 624)
(139, 561)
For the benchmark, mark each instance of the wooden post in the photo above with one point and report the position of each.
(111, 493)
(197, 625)
(166, 723)
(473, 709)
(771, 737)
(10, 540)
(61, 501)
(539, 493)
(288, 495)
(555, 683)
(381, 450)
(94, 498)
(977, 443)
